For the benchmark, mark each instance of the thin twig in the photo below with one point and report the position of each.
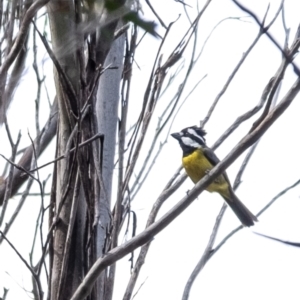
(47, 133)
(205, 256)
(260, 213)
(166, 193)
(236, 69)
(19, 41)
(262, 28)
(97, 136)
(37, 280)
(9, 180)
(156, 14)
(16, 212)
(67, 85)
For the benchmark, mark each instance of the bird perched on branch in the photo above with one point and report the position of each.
(198, 160)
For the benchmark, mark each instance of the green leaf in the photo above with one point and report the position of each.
(148, 26)
(112, 5)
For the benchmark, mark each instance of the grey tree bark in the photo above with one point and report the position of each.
(61, 16)
(82, 198)
(108, 96)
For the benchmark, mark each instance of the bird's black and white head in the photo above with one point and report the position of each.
(190, 138)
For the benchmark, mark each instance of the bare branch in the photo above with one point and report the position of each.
(37, 280)
(205, 256)
(95, 137)
(46, 136)
(260, 213)
(166, 193)
(156, 15)
(234, 72)
(146, 236)
(7, 194)
(18, 44)
(294, 244)
(262, 28)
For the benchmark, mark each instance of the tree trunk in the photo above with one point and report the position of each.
(107, 113)
(62, 30)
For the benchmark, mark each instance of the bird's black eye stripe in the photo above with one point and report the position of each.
(200, 140)
(195, 137)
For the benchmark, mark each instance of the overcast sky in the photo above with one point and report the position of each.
(248, 266)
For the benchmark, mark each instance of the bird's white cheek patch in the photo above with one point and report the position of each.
(189, 142)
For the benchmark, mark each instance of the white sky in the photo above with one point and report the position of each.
(248, 266)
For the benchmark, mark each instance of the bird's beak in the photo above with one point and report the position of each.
(176, 136)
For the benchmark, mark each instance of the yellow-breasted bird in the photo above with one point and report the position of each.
(198, 160)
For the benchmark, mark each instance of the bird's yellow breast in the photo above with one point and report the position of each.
(197, 166)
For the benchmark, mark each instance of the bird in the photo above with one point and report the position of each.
(198, 159)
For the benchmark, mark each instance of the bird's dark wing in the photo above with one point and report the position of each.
(213, 159)
(211, 156)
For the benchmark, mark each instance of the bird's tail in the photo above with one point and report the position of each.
(241, 211)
